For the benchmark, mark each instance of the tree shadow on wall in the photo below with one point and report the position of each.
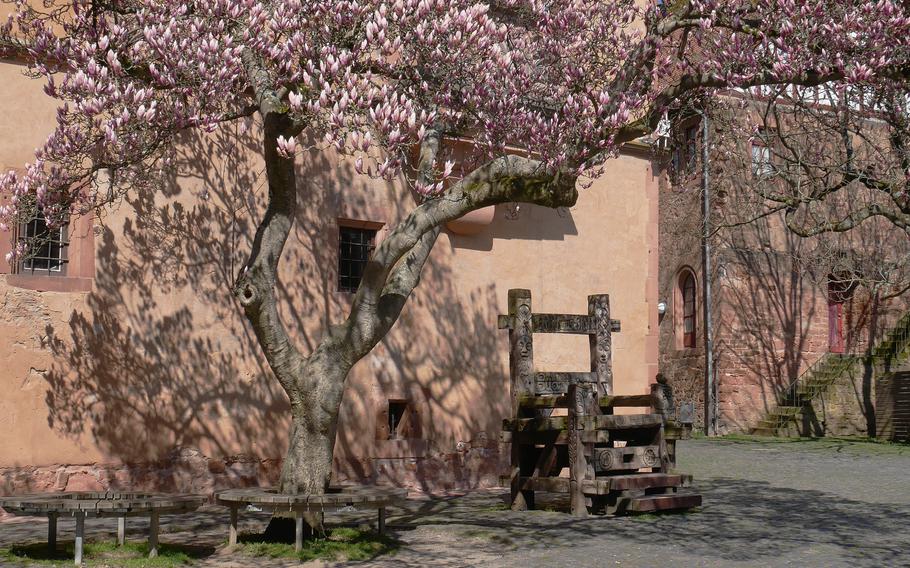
(446, 357)
(161, 359)
(773, 305)
(778, 294)
(158, 361)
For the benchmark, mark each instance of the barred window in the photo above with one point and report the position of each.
(354, 249)
(685, 157)
(46, 248)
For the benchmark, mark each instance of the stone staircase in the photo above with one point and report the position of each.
(814, 382)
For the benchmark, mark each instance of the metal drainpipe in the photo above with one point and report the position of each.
(710, 387)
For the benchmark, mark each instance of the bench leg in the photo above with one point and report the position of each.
(381, 520)
(80, 537)
(298, 531)
(153, 535)
(232, 533)
(121, 531)
(52, 531)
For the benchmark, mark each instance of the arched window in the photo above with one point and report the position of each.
(687, 314)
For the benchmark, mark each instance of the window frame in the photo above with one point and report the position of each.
(766, 168)
(685, 156)
(398, 429)
(26, 266)
(687, 309)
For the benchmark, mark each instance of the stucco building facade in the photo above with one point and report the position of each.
(134, 367)
(786, 312)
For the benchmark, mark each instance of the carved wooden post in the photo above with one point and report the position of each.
(521, 346)
(664, 404)
(601, 346)
(521, 368)
(578, 396)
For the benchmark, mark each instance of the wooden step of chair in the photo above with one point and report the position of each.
(601, 422)
(645, 481)
(656, 503)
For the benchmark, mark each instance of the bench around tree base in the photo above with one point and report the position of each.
(82, 504)
(336, 498)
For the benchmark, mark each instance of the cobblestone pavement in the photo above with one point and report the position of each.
(824, 503)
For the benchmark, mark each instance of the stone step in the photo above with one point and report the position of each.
(654, 503)
(786, 411)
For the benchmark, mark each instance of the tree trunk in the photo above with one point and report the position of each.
(315, 384)
(307, 466)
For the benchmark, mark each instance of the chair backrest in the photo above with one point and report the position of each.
(523, 323)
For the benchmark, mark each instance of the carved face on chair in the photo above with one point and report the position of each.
(524, 347)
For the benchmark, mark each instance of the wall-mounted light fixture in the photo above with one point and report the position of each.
(661, 308)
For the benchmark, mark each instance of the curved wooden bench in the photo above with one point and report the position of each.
(82, 504)
(336, 497)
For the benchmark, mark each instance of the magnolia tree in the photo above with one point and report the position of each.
(562, 83)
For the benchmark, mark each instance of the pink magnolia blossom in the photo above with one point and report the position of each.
(287, 147)
(566, 81)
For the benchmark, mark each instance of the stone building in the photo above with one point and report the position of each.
(799, 339)
(127, 363)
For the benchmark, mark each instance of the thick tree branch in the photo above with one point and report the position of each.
(403, 280)
(849, 222)
(505, 179)
(255, 285)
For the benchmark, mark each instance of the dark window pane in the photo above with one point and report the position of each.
(354, 249)
(688, 296)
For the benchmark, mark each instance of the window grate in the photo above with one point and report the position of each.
(46, 249)
(688, 295)
(355, 246)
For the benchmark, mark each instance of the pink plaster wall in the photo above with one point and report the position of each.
(153, 368)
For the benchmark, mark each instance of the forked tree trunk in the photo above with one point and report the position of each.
(315, 384)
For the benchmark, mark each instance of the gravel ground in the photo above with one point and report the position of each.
(767, 504)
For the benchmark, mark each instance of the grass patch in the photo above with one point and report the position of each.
(489, 535)
(130, 555)
(498, 507)
(851, 444)
(341, 544)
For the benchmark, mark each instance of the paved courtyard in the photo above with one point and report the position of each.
(810, 503)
